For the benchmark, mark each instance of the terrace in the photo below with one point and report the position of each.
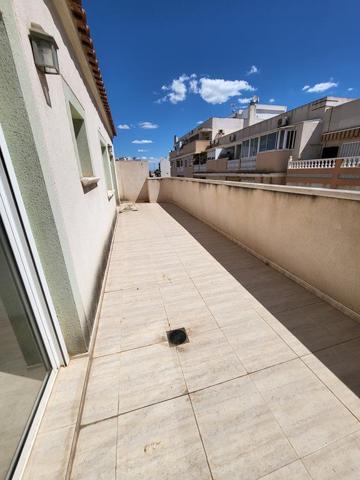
(267, 386)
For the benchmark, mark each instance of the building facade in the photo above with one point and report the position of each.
(58, 194)
(338, 165)
(200, 145)
(288, 147)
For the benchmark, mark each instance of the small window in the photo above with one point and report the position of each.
(254, 146)
(263, 141)
(281, 139)
(106, 166)
(245, 149)
(290, 139)
(81, 143)
(271, 141)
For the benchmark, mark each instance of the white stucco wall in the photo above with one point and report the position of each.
(83, 221)
(165, 167)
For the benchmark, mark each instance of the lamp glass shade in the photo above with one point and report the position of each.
(45, 53)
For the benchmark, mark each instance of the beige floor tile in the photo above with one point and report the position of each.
(101, 400)
(319, 325)
(108, 336)
(294, 343)
(339, 368)
(307, 411)
(63, 406)
(294, 471)
(195, 320)
(50, 455)
(228, 308)
(240, 435)
(255, 342)
(95, 456)
(338, 461)
(208, 359)
(148, 375)
(182, 293)
(161, 442)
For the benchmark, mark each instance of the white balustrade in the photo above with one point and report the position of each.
(350, 162)
(316, 163)
(346, 162)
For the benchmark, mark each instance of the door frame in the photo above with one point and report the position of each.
(18, 230)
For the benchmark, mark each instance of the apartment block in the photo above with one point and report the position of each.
(198, 146)
(316, 144)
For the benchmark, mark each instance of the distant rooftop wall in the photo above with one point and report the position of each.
(132, 176)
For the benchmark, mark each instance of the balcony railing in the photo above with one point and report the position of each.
(318, 163)
(200, 168)
(347, 162)
(196, 146)
(351, 162)
(233, 164)
(248, 163)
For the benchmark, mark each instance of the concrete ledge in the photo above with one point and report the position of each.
(319, 192)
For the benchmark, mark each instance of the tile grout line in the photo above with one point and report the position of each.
(117, 415)
(328, 388)
(70, 462)
(330, 443)
(201, 439)
(194, 414)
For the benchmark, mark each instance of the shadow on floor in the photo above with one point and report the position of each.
(333, 337)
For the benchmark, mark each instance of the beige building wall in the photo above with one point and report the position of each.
(288, 226)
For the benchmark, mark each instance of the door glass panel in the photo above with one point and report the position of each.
(24, 367)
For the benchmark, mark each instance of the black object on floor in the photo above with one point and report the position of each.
(177, 336)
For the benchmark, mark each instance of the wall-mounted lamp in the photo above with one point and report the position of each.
(44, 50)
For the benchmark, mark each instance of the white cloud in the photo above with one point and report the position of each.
(148, 125)
(218, 90)
(194, 85)
(177, 89)
(253, 69)
(350, 89)
(142, 141)
(211, 90)
(320, 87)
(244, 100)
(142, 150)
(271, 100)
(123, 126)
(200, 121)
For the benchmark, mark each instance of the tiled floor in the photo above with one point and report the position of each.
(267, 387)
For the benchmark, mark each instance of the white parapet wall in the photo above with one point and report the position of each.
(310, 234)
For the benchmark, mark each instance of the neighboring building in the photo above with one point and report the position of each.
(338, 164)
(192, 150)
(57, 206)
(274, 150)
(164, 166)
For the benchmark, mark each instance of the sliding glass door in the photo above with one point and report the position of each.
(24, 365)
(31, 344)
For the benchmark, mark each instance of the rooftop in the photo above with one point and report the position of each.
(266, 388)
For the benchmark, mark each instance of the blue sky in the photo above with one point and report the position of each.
(168, 65)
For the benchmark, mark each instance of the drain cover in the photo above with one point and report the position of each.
(177, 336)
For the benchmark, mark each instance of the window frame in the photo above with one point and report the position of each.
(87, 175)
